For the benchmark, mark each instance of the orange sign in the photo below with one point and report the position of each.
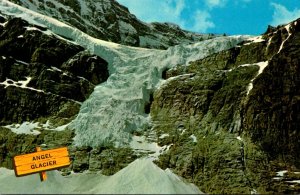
(41, 161)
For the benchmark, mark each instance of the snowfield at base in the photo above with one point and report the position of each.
(116, 108)
(140, 177)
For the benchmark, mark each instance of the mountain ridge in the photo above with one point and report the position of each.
(109, 20)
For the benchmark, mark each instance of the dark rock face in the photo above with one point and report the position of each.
(18, 105)
(204, 105)
(108, 160)
(272, 111)
(211, 100)
(34, 45)
(95, 68)
(108, 20)
(41, 74)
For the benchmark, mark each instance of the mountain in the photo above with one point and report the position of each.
(220, 113)
(242, 105)
(110, 21)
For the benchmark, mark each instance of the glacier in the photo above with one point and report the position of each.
(116, 108)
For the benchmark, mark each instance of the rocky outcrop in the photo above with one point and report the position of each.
(232, 117)
(110, 21)
(108, 160)
(43, 75)
(92, 68)
(19, 104)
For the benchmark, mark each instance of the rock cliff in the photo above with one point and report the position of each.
(232, 117)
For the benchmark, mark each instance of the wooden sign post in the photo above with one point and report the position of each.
(41, 161)
(43, 174)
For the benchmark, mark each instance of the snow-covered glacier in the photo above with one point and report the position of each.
(116, 107)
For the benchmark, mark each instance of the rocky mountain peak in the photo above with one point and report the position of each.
(294, 25)
(109, 20)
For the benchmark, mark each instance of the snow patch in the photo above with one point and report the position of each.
(141, 145)
(3, 24)
(269, 42)
(262, 66)
(46, 125)
(24, 128)
(164, 135)
(194, 138)
(60, 128)
(182, 131)
(22, 62)
(182, 76)
(56, 69)
(47, 32)
(257, 39)
(29, 28)
(239, 138)
(277, 178)
(294, 181)
(281, 173)
(33, 127)
(20, 84)
(250, 87)
(280, 176)
(287, 27)
(50, 127)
